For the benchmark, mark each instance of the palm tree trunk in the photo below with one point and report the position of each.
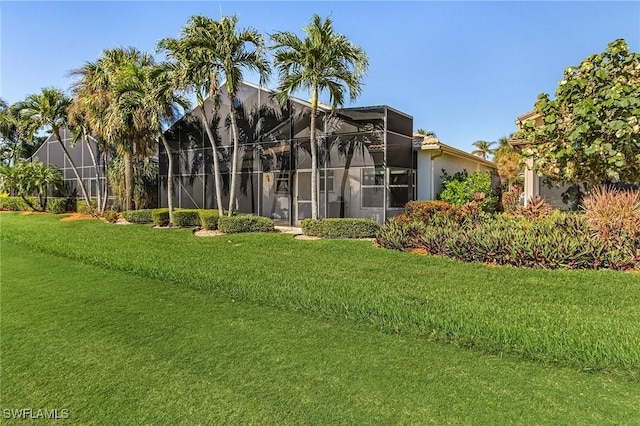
(128, 181)
(216, 162)
(314, 155)
(234, 157)
(105, 187)
(169, 177)
(56, 131)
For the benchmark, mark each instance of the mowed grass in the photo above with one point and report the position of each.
(117, 348)
(583, 319)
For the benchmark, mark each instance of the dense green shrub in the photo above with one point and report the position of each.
(209, 219)
(186, 217)
(138, 216)
(341, 227)
(111, 216)
(83, 208)
(245, 223)
(16, 204)
(427, 211)
(558, 241)
(58, 205)
(460, 191)
(160, 216)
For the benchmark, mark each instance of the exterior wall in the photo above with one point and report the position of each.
(51, 153)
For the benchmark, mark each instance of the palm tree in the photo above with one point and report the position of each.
(49, 109)
(323, 60)
(162, 106)
(483, 149)
(195, 57)
(234, 57)
(424, 132)
(112, 115)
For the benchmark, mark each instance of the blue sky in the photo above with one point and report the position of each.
(465, 70)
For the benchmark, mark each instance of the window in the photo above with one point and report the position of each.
(329, 180)
(282, 183)
(373, 187)
(399, 187)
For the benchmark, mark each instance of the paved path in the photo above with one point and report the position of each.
(289, 230)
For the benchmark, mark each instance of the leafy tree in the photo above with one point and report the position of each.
(31, 178)
(424, 132)
(234, 56)
(49, 110)
(508, 161)
(461, 189)
(483, 149)
(195, 55)
(591, 130)
(323, 60)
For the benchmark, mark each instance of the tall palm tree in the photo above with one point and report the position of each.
(110, 114)
(49, 109)
(323, 60)
(483, 149)
(195, 56)
(162, 105)
(238, 51)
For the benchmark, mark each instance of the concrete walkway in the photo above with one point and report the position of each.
(289, 230)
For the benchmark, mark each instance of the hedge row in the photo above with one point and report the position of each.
(138, 216)
(54, 204)
(245, 223)
(341, 228)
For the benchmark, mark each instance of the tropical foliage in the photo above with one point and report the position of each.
(31, 179)
(591, 130)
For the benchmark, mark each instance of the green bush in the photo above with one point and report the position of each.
(111, 216)
(138, 216)
(160, 216)
(428, 211)
(83, 208)
(462, 190)
(186, 217)
(341, 227)
(15, 204)
(58, 205)
(209, 219)
(558, 241)
(245, 223)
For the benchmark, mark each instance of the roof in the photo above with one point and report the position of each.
(431, 143)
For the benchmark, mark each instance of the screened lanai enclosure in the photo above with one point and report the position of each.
(365, 159)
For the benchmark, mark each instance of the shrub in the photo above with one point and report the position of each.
(535, 207)
(111, 216)
(399, 233)
(510, 201)
(160, 216)
(138, 216)
(15, 204)
(613, 214)
(557, 241)
(245, 223)
(428, 211)
(83, 208)
(58, 205)
(209, 219)
(186, 217)
(462, 190)
(341, 227)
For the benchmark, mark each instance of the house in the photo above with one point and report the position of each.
(433, 156)
(365, 159)
(369, 161)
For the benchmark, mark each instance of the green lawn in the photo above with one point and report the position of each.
(117, 348)
(583, 319)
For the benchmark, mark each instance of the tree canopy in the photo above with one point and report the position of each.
(591, 130)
